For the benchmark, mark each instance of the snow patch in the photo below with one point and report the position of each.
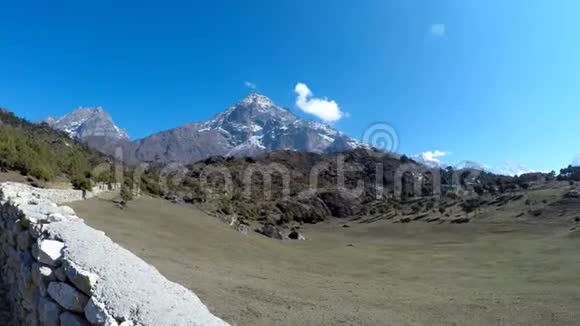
(326, 138)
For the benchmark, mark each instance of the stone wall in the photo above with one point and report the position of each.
(59, 196)
(56, 270)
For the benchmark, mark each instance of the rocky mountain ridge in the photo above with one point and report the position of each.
(252, 126)
(88, 122)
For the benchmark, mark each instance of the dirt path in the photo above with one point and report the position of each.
(379, 274)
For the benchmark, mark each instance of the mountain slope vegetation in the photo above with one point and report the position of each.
(39, 151)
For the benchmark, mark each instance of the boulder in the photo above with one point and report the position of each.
(188, 198)
(243, 228)
(307, 210)
(270, 231)
(83, 280)
(67, 296)
(97, 314)
(295, 235)
(339, 204)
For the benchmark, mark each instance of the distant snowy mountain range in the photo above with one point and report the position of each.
(507, 168)
(252, 126)
(512, 169)
(437, 158)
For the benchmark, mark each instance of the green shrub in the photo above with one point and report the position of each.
(126, 193)
(81, 183)
(39, 151)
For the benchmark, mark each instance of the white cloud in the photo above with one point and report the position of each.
(438, 30)
(326, 110)
(250, 85)
(431, 158)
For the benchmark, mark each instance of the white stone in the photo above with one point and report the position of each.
(50, 252)
(67, 211)
(55, 217)
(67, 296)
(127, 323)
(83, 280)
(42, 275)
(97, 314)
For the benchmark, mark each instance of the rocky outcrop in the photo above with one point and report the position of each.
(339, 203)
(58, 271)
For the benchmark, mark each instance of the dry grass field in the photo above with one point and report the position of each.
(494, 271)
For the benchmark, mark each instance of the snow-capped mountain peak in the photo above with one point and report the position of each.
(259, 100)
(256, 107)
(88, 122)
(507, 168)
(256, 123)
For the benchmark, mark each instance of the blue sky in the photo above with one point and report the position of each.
(489, 81)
